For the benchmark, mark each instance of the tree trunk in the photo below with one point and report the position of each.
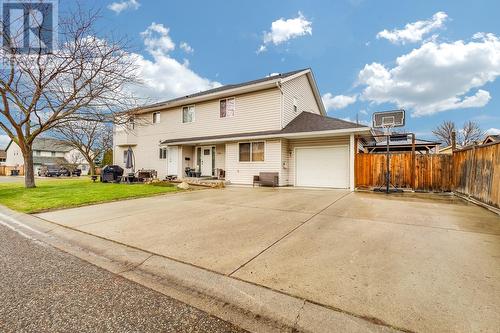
(29, 172)
(92, 167)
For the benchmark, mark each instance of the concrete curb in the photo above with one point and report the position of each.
(249, 306)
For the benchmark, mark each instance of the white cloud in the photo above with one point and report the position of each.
(163, 76)
(4, 140)
(337, 102)
(283, 30)
(436, 77)
(118, 7)
(156, 39)
(493, 131)
(363, 112)
(414, 32)
(186, 47)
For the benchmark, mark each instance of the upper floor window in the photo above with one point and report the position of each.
(227, 107)
(163, 153)
(251, 152)
(37, 152)
(131, 123)
(156, 117)
(52, 153)
(295, 105)
(188, 114)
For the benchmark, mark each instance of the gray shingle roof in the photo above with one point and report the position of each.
(49, 144)
(304, 122)
(226, 87)
(48, 160)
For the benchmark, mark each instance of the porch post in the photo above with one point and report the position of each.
(352, 151)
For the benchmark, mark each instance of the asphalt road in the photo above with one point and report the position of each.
(43, 289)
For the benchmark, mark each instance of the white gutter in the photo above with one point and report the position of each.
(275, 136)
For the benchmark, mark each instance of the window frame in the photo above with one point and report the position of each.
(251, 151)
(159, 117)
(162, 153)
(234, 111)
(193, 119)
(295, 105)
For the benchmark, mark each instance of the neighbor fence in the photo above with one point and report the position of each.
(473, 172)
(476, 173)
(5, 170)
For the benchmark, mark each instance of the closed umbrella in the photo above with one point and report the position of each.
(129, 162)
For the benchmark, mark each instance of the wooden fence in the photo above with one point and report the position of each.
(473, 172)
(5, 170)
(430, 172)
(477, 173)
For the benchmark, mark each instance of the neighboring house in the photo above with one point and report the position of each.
(3, 156)
(274, 124)
(447, 150)
(47, 151)
(401, 144)
(491, 139)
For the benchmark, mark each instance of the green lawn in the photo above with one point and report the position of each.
(64, 193)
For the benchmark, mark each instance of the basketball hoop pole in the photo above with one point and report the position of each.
(387, 120)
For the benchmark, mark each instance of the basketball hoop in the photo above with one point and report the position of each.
(388, 120)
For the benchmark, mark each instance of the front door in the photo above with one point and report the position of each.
(206, 161)
(172, 160)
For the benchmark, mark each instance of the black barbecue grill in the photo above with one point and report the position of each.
(111, 174)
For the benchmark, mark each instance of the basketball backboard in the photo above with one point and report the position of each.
(389, 119)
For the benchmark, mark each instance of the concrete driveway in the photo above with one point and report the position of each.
(428, 263)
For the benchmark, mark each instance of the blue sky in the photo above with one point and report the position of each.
(428, 57)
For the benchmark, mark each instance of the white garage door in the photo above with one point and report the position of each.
(322, 167)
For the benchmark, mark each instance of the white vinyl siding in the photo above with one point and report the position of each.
(220, 157)
(243, 172)
(256, 111)
(298, 91)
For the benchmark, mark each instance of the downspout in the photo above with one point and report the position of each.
(278, 85)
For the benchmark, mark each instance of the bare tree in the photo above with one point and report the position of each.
(444, 131)
(92, 138)
(470, 133)
(83, 77)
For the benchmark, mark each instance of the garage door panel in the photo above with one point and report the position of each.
(322, 167)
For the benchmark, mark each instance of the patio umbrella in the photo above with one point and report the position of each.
(129, 162)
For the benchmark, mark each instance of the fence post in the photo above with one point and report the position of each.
(413, 163)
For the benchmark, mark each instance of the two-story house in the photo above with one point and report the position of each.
(274, 124)
(46, 151)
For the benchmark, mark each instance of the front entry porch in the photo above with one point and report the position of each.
(202, 161)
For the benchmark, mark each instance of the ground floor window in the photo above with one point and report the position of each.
(163, 153)
(251, 152)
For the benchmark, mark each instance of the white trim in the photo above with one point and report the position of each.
(296, 75)
(315, 147)
(275, 136)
